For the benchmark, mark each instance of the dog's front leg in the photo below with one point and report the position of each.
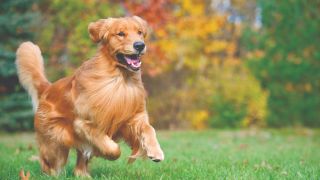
(141, 136)
(149, 142)
(104, 144)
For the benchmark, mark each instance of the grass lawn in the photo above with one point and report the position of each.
(215, 154)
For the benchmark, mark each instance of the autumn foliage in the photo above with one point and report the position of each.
(209, 63)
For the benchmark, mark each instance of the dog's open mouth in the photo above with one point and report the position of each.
(131, 61)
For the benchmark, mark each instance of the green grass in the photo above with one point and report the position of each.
(215, 154)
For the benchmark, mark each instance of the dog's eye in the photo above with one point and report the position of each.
(122, 34)
(139, 32)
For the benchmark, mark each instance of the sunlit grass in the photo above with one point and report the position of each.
(215, 154)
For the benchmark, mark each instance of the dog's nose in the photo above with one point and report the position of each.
(139, 46)
(154, 159)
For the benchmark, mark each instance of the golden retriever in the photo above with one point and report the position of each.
(103, 102)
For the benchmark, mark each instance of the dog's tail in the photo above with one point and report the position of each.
(30, 68)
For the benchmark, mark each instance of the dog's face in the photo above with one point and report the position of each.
(123, 38)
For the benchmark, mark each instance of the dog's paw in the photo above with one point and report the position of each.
(112, 149)
(82, 173)
(155, 154)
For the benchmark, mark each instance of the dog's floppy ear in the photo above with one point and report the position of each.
(143, 24)
(99, 29)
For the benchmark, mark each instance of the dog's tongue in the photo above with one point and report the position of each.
(133, 61)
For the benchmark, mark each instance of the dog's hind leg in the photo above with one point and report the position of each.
(81, 168)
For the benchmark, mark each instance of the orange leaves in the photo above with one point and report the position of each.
(24, 176)
(153, 11)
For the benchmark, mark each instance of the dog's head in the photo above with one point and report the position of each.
(123, 38)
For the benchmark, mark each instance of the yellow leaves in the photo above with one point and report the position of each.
(161, 33)
(256, 110)
(168, 45)
(192, 35)
(231, 48)
(213, 24)
(185, 40)
(216, 46)
(198, 118)
(195, 27)
(191, 7)
(233, 62)
(208, 28)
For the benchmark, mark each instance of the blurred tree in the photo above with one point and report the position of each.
(238, 100)
(64, 38)
(285, 56)
(17, 22)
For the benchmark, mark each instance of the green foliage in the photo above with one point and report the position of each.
(228, 113)
(238, 100)
(285, 58)
(16, 112)
(17, 22)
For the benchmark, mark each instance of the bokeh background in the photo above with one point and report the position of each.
(210, 63)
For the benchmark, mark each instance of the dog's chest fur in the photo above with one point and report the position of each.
(110, 101)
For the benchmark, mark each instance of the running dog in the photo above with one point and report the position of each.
(102, 103)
